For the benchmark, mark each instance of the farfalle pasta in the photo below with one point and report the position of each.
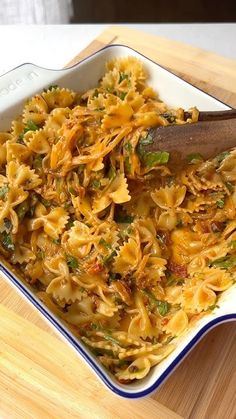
(124, 246)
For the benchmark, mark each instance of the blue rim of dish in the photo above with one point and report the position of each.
(76, 344)
(73, 341)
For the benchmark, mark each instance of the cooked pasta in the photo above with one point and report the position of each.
(121, 245)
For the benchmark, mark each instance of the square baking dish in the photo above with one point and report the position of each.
(26, 80)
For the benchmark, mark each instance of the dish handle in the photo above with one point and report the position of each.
(18, 83)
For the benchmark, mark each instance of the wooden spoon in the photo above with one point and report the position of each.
(213, 115)
(207, 137)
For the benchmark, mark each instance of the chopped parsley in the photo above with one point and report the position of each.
(72, 191)
(3, 191)
(41, 254)
(96, 184)
(213, 307)
(113, 277)
(194, 158)
(56, 241)
(122, 95)
(127, 164)
(162, 306)
(110, 89)
(72, 262)
(151, 159)
(69, 224)
(46, 203)
(232, 244)
(111, 172)
(146, 140)
(104, 243)
(50, 88)
(108, 259)
(220, 203)
(222, 156)
(111, 339)
(7, 241)
(225, 262)
(124, 218)
(37, 162)
(229, 186)
(128, 147)
(22, 209)
(170, 117)
(30, 126)
(7, 224)
(123, 76)
(179, 224)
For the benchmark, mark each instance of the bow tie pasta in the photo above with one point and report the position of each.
(127, 249)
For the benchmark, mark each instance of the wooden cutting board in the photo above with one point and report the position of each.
(41, 377)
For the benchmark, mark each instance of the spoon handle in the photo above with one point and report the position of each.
(204, 137)
(213, 115)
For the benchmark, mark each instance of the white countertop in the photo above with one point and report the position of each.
(53, 46)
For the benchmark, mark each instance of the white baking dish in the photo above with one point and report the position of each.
(23, 82)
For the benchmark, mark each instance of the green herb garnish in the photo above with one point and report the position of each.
(56, 241)
(45, 202)
(222, 156)
(229, 186)
(225, 262)
(22, 209)
(128, 147)
(111, 172)
(7, 241)
(110, 89)
(151, 159)
(194, 158)
(96, 184)
(72, 262)
(113, 277)
(232, 244)
(146, 140)
(179, 223)
(7, 224)
(104, 243)
(124, 218)
(72, 191)
(220, 203)
(111, 339)
(3, 191)
(213, 307)
(37, 162)
(53, 86)
(95, 326)
(41, 254)
(163, 306)
(123, 76)
(107, 259)
(170, 118)
(30, 126)
(169, 339)
(69, 224)
(122, 95)
(127, 164)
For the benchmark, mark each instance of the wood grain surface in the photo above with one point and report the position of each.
(41, 377)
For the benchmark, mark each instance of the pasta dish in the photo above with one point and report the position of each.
(126, 248)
